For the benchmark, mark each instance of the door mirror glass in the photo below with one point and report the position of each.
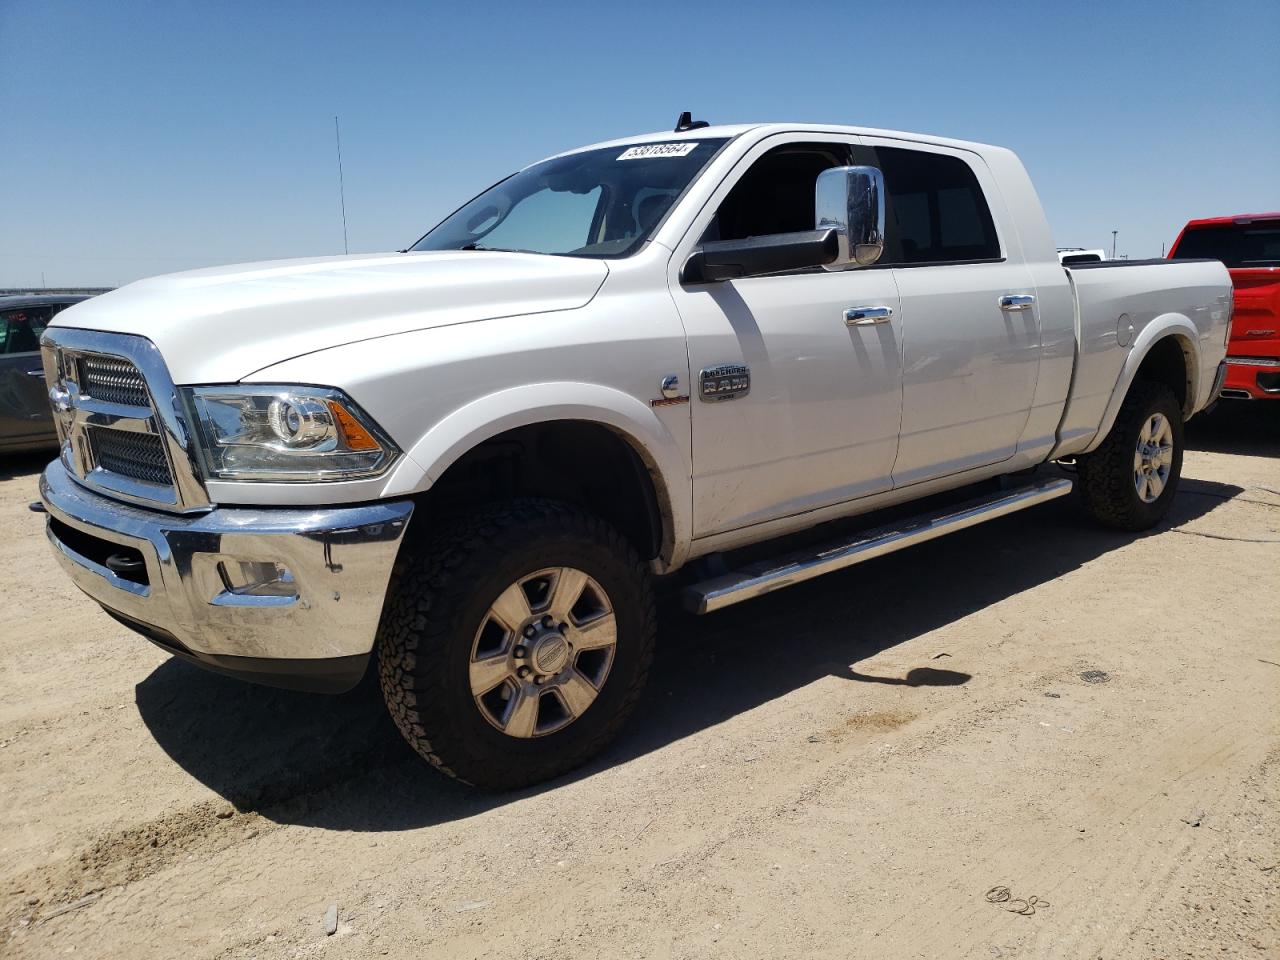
(850, 200)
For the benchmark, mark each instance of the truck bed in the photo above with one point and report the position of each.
(1116, 300)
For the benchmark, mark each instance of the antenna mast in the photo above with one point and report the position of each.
(342, 194)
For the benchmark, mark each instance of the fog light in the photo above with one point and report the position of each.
(251, 578)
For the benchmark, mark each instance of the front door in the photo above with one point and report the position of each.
(813, 418)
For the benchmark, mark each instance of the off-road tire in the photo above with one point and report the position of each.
(437, 601)
(1105, 477)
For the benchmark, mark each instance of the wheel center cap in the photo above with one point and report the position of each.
(551, 653)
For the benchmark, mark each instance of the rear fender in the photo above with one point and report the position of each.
(1166, 325)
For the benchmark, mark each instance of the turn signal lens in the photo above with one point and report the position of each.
(352, 430)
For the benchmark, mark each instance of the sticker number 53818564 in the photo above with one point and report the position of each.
(646, 150)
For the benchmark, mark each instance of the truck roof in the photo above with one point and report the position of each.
(9, 302)
(737, 129)
(1233, 218)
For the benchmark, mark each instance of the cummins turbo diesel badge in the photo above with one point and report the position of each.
(647, 150)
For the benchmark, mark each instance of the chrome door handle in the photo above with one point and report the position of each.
(866, 316)
(36, 373)
(1016, 301)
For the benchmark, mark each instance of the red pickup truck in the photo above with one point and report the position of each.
(1249, 246)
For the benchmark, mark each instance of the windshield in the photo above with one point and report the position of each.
(596, 203)
(1237, 245)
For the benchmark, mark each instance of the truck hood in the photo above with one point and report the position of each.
(221, 324)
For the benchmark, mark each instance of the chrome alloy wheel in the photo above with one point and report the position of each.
(1153, 458)
(543, 652)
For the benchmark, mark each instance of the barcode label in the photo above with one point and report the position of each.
(647, 150)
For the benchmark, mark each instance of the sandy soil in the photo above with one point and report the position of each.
(843, 769)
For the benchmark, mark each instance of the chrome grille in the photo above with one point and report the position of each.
(115, 439)
(112, 380)
(138, 456)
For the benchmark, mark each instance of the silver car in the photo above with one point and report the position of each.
(26, 421)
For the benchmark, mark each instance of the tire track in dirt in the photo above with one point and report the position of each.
(1112, 875)
(120, 857)
(848, 746)
(125, 856)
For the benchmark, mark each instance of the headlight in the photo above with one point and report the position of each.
(285, 433)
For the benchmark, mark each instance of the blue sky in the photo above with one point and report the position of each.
(143, 138)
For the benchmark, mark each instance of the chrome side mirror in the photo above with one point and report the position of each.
(850, 200)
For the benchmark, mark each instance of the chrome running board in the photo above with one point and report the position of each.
(775, 573)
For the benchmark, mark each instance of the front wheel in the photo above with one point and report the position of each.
(515, 645)
(1129, 482)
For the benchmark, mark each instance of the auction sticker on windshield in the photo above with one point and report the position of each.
(646, 150)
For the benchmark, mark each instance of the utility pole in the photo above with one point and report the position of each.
(342, 195)
(1113, 237)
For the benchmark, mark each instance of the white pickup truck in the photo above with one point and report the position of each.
(471, 460)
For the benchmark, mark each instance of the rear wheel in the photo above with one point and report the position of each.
(1129, 482)
(515, 646)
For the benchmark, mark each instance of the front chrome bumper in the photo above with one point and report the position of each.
(315, 633)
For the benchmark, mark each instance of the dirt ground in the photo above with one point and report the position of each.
(843, 769)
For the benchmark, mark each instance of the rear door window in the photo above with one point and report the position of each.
(935, 209)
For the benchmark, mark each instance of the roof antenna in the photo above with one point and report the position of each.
(686, 122)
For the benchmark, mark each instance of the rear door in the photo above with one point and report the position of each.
(970, 324)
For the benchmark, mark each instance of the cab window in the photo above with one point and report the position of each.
(776, 193)
(21, 327)
(1238, 245)
(934, 208)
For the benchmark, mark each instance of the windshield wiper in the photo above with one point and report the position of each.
(475, 245)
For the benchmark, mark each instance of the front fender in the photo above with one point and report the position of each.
(485, 417)
(1167, 325)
